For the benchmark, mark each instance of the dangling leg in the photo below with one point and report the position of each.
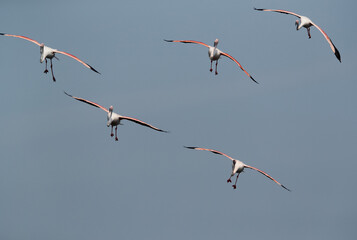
(111, 132)
(52, 71)
(46, 71)
(235, 184)
(211, 66)
(308, 32)
(229, 179)
(216, 67)
(116, 133)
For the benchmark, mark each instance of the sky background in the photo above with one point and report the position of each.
(63, 177)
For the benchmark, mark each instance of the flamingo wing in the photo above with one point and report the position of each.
(233, 59)
(141, 123)
(79, 60)
(277, 10)
(267, 175)
(23, 37)
(188, 41)
(88, 102)
(333, 48)
(211, 150)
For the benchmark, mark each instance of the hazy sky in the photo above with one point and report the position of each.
(63, 177)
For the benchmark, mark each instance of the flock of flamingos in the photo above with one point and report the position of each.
(114, 119)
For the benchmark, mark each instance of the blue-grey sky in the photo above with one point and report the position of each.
(63, 177)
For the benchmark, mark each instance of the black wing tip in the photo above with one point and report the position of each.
(190, 147)
(168, 40)
(92, 68)
(253, 80)
(2, 33)
(286, 188)
(160, 130)
(259, 9)
(67, 94)
(337, 54)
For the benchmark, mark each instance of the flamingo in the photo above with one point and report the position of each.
(114, 119)
(49, 53)
(306, 23)
(214, 54)
(237, 167)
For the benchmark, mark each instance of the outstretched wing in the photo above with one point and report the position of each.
(88, 102)
(333, 48)
(188, 41)
(23, 37)
(278, 10)
(267, 175)
(141, 123)
(232, 58)
(211, 150)
(79, 60)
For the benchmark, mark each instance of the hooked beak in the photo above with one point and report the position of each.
(109, 117)
(42, 55)
(297, 24)
(42, 58)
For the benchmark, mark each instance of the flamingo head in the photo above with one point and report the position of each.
(111, 109)
(297, 24)
(216, 42)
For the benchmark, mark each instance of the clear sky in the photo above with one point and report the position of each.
(63, 177)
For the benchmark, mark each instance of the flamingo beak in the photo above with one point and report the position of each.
(42, 55)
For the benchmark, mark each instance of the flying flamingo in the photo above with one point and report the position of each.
(238, 167)
(113, 119)
(214, 54)
(49, 53)
(306, 23)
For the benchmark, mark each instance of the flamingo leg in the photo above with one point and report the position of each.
(229, 179)
(111, 132)
(116, 133)
(308, 32)
(216, 67)
(211, 66)
(46, 71)
(235, 184)
(53, 77)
